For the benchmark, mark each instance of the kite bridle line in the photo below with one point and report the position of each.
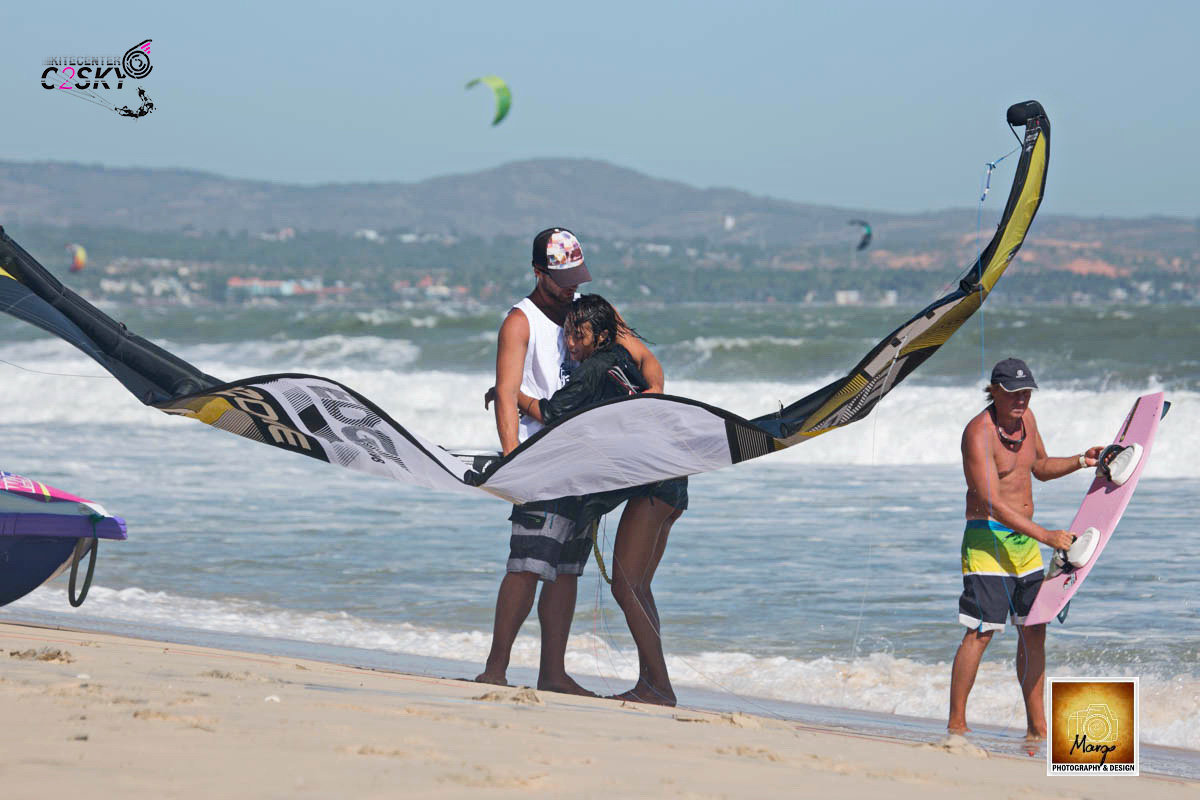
(88, 95)
(990, 166)
(862, 603)
(985, 186)
(764, 710)
(56, 374)
(8, 308)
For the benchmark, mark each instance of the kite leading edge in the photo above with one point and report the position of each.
(625, 442)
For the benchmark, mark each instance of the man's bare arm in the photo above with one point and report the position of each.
(510, 363)
(1047, 468)
(983, 483)
(646, 362)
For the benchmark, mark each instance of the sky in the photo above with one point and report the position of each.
(884, 106)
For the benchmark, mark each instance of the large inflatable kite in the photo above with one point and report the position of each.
(624, 442)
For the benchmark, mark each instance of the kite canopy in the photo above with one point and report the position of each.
(500, 90)
(44, 530)
(78, 257)
(624, 442)
(865, 241)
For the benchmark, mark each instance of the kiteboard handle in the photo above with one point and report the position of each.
(93, 544)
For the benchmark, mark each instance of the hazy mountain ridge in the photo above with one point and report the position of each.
(596, 198)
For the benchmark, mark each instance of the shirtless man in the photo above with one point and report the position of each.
(1002, 566)
(547, 543)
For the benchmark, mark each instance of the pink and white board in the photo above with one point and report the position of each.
(1102, 508)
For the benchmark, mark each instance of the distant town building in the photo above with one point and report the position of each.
(281, 235)
(242, 289)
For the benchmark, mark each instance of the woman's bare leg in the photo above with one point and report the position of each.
(638, 549)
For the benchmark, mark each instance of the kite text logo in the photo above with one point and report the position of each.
(1093, 726)
(84, 76)
(258, 406)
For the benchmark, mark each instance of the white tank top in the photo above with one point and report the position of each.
(548, 364)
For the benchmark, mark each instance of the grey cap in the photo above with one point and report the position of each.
(1013, 375)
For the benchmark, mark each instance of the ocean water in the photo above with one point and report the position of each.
(827, 574)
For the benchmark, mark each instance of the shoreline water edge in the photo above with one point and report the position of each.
(309, 728)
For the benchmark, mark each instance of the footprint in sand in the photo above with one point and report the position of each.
(52, 654)
(957, 745)
(423, 754)
(737, 719)
(523, 696)
(237, 676)
(484, 778)
(750, 752)
(200, 723)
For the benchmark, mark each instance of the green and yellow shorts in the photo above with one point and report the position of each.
(1002, 572)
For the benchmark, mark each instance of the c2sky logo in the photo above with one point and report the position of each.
(83, 77)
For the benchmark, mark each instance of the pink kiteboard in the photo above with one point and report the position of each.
(1116, 478)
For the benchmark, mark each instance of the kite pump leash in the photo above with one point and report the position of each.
(596, 549)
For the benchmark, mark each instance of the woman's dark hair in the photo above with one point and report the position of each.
(599, 313)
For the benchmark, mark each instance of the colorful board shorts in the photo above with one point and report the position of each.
(1002, 572)
(548, 538)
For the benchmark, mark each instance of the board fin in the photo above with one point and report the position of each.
(1062, 615)
(1166, 408)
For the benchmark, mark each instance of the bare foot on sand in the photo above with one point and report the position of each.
(959, 728)
(645, 693)
(1035, 736)
(495, 680)
(565, 685)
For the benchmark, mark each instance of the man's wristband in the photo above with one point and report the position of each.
(1082, 461)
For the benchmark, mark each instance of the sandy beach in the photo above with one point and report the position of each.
(107, 716)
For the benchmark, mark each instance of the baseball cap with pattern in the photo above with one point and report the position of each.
(1013, 375)
(558, 252)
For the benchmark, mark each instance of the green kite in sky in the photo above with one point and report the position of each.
(503, 95)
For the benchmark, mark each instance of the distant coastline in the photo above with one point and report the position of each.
(402, 268)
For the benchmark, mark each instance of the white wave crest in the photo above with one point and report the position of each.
(915, 424)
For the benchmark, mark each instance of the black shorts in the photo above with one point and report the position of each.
(673, 492)
(988, 601)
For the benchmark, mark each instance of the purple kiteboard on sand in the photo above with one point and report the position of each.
(43, 531)
(1117, 476)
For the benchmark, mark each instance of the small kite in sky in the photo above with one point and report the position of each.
(503, 95)
(865, 241)
(78, 257)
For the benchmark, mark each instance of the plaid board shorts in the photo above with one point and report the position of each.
(548, 538)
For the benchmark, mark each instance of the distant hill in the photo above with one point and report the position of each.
(596, 198)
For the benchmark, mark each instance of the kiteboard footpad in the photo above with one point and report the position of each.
(1078, 555)
(1116, 463)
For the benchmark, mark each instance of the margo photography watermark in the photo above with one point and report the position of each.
(1093, 726)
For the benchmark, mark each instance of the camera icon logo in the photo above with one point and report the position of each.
(1097, 722)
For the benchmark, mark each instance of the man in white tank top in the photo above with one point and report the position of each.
(546, 543)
